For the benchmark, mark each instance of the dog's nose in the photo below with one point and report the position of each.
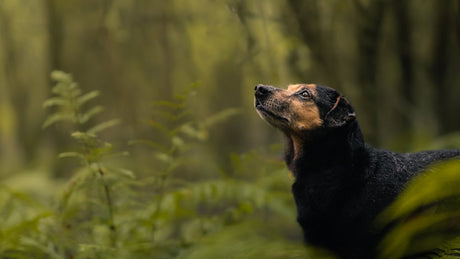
(263, 89)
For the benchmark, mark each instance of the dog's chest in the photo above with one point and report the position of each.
(322, 201)
(316, 197)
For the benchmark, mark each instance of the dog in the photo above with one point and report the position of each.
(341, 183)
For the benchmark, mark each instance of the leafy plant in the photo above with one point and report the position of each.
(89, 196)
(20, 228)
(104, 211)
(426, 216)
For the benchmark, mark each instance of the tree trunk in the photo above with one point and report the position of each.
(369, 34)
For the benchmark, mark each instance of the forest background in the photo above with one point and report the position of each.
(191, 66)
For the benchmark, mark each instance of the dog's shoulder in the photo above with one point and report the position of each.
(388, 167)
(410, 161)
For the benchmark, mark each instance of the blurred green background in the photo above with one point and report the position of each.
(398, 62)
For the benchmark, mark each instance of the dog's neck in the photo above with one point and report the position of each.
(324, 148)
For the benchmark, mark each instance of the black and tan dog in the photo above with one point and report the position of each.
(341, 184)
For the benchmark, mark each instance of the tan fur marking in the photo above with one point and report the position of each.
(297, 144)
(293, 88)
(307, 117)
(296, 87)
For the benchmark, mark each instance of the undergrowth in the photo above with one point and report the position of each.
(106, 211)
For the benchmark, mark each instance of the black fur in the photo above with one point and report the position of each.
(342, 184)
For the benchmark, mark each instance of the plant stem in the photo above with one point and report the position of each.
(155, 215)
(109, 205)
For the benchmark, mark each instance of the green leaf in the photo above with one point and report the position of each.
(89, 114)
(189, 130)
(199, 134)
(61, 76)
(103, 150)
(58, 117)
(87, 97)
(71, 155)
(55, 101)
(177, 142)
(124, 172)
(104, 125)
(83, 136)
(164, 157)
(74, 90)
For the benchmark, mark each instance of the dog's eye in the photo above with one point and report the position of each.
(305, 94)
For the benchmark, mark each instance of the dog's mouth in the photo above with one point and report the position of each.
(268, 115)
(259, 105)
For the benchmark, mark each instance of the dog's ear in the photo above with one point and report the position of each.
(340, 114)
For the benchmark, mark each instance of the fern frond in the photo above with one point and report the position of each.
(103, 126)
(84, 117)
(87, 97)
(71, 155)
(61, 76)
(55, 101)
(57, 118)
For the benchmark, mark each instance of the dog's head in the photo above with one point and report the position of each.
(302, 107)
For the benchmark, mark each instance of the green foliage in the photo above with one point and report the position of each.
(69, 101)
(103, 211)
(20, 229)
(87, 203)
(426, 215)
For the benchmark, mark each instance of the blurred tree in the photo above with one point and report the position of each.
(396, 60)
(444, 58)
(24, 83)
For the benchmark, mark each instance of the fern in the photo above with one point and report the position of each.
(21, 220)
(175, 121)
(96, 181)
(104, 212)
